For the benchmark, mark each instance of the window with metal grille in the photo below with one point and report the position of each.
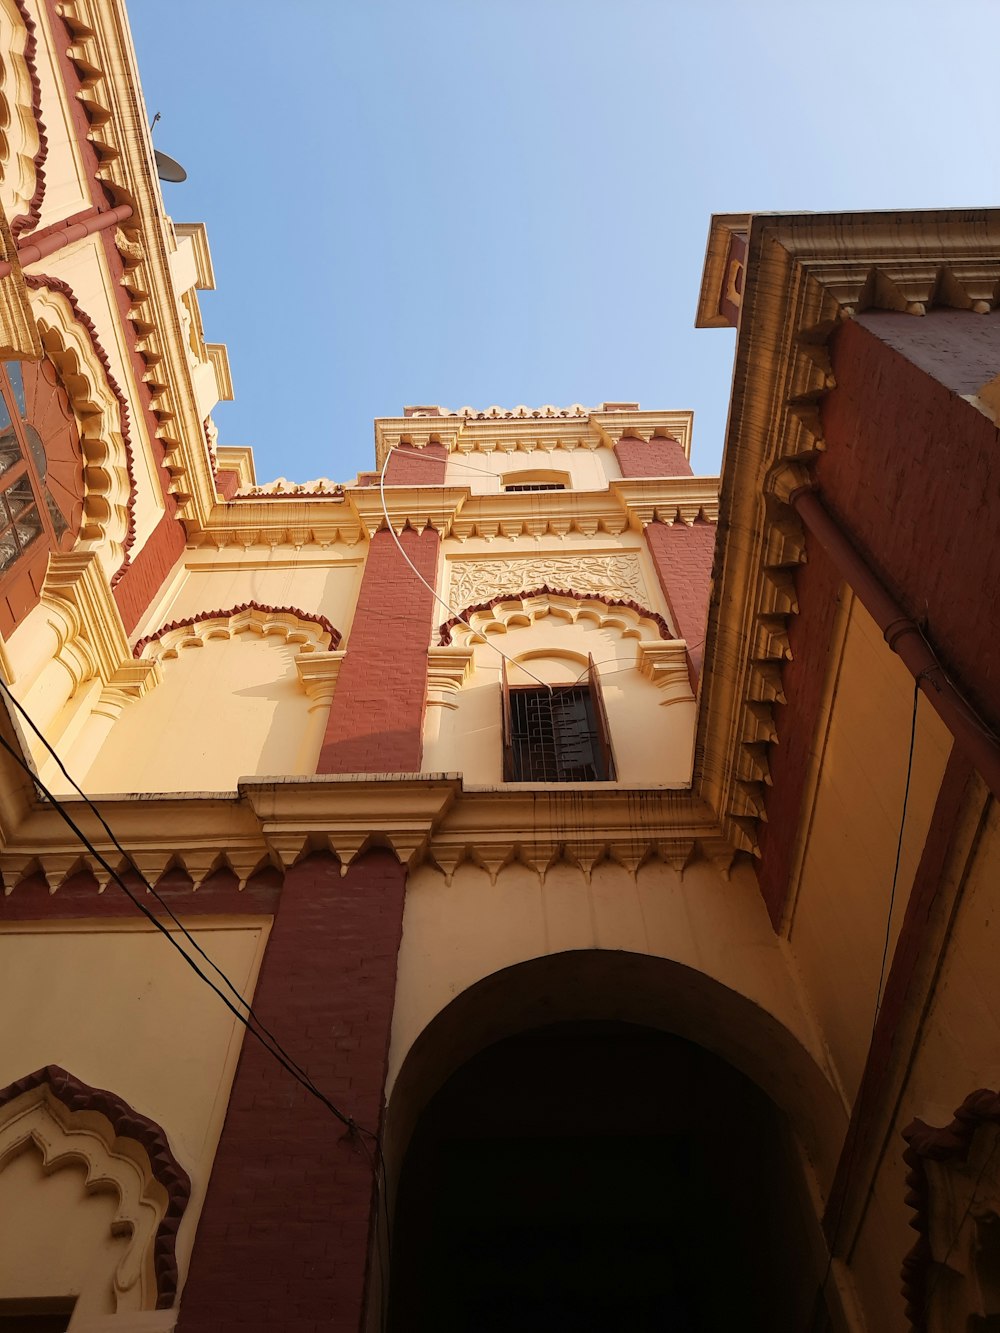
(536, 486)
(558, 734)
(41, 482)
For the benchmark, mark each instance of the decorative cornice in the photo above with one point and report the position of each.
(280, 520)
(422, 817)
(99, 41)
(637, 621)
(523, 431)
(803, 275)
(668, 500)
(948, 1144)
(408, 507)
(126, 1125)
(22, 114)
(615, 426)
(106, 461)
(306, 628)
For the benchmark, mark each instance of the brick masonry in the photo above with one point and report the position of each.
(683, 558)
(911, 471)
(285, 1237)
(908, 471)
(409, 466)
(660, 457)
(377, 715)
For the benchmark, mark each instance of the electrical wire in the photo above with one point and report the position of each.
(4, 688)
(250, 1021)
(440, 600)
(819, 1308)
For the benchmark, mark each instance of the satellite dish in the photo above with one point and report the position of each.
(168, 169)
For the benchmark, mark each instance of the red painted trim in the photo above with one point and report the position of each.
(545, 591)
(30, 219)
(377, 714)
(81, 316)
(288, 1225)
(911, 469)
(227, 482)
(905, 960)
(683, 557)
(312, 616)
(662, 456)
(143, 577)
(62, 234)
(127, 1123)
(902, 636)
(80, 898)
(948, 1144)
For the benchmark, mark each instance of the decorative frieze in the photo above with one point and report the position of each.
(620, 576)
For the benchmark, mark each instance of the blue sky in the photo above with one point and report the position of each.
(507, 201)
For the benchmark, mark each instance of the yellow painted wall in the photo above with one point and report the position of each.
(587, 469)
(958, 1052)
(315, 581)
(115, 1005)
(838, 927)
(66, 190)
(456, 934)
(652, 739)
(231, 708)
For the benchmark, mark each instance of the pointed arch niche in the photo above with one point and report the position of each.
(549, 636)
(91, 1196)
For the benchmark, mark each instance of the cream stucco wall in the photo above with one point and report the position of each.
(228, 709)
(652, 736)
(838, 927)
(66, 188)
(317, 581)
(585, 469)
(958, 1052)
(114, 1004)
(456, 934)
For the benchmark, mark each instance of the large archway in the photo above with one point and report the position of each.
(572, 1146)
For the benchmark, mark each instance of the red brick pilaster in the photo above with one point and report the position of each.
(683, 559)
(377, 715)
(659, 457)
(284, 1240)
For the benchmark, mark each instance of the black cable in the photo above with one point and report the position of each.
(819, 1309)
(5, 689)
(275, 1050)
(899, 852)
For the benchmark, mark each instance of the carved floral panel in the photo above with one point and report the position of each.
(620, 575)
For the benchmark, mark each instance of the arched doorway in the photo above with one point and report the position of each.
(561, 1161)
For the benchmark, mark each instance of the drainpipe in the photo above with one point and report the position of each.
(65, 234)
(902, 636)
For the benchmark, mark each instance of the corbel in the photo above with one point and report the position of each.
(448, 669)
(665, 663)
(318, 673)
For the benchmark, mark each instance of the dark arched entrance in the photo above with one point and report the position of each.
(603, 1176)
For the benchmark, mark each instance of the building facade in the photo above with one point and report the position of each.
(608, 854)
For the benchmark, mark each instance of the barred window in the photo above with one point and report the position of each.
(556, 734)
(41, 482)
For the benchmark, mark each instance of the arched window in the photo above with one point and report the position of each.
(41, 482)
